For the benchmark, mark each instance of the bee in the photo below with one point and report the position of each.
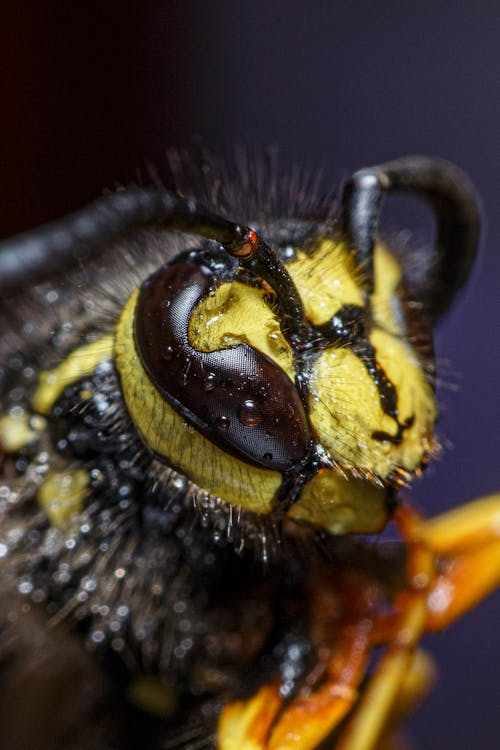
(212, 399)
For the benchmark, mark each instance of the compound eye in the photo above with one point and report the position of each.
(236, 397)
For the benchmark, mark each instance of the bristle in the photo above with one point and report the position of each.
(251, 187)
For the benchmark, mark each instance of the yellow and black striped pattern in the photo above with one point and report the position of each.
(369, 445)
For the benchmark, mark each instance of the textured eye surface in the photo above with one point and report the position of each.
(236, 396)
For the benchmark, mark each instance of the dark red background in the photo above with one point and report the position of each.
(88, 96)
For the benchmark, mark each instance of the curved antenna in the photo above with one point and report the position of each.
(39, 254)
(258, 258)
(453, 200)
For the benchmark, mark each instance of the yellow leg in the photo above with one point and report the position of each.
(464, 528)
(414, 687)
(245, 725)
(467, 541)
(453, 561)
(376, 707)
(258, 724)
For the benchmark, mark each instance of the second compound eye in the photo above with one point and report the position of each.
(235, 394)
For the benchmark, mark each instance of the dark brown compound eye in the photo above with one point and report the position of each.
(236, 397)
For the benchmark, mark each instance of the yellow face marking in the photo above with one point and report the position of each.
(78, 364)
(238, 314)
(385, 304)
(345, 406)
(345, 403)
(415, 397)
(342, 506)
(346, 411)
(62, 495)
(326, 279)
(166, 433)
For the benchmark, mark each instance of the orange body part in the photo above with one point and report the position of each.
(452, 562)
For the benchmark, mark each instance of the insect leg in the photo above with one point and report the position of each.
(266, 722)
(468, 540)
(380, 697)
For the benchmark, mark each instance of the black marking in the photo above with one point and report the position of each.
(385, 437)
(293, 481)
(347, 327)
(350, 327)
(387, 391)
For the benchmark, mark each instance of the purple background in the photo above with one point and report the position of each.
(86, 97)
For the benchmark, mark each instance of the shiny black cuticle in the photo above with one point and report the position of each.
(236, 397)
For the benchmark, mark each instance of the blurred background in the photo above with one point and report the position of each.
(89, 93)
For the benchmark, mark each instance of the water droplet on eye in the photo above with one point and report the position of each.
(210, 382)
(250, 415)
(167, 353)
(223, 423)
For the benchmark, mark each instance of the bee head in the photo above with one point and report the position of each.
(291, 383)
(298, 384)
